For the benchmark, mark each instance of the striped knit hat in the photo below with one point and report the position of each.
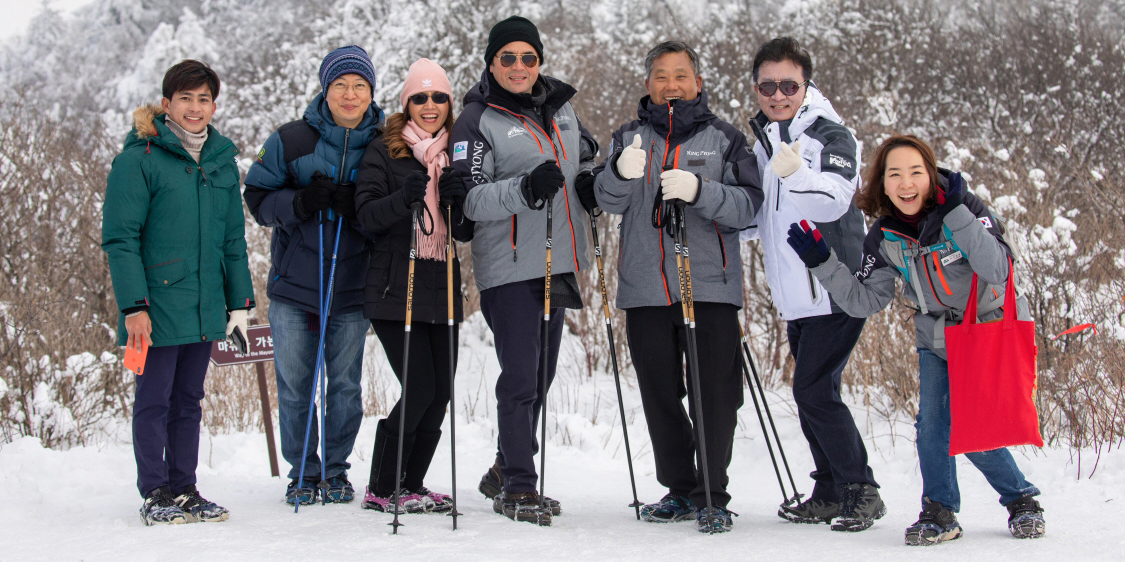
(346, 60)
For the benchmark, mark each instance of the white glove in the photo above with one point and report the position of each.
(631, 163)
(679, 184)
(237, 320)
(787, 160)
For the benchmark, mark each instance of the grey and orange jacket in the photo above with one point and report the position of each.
(683, 134)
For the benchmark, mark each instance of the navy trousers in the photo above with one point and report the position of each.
(166, 416)
(821, 346)
(514, 312)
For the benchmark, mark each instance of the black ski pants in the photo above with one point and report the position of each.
(821, 346)
(514, 312)
(658, 344)
(427, 398)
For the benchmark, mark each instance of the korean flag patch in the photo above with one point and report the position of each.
(987, 222)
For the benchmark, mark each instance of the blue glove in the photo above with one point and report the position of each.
(953, 196)
(808, 244)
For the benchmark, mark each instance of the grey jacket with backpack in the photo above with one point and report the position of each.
(936, 262)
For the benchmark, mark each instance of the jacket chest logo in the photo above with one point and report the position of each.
(516, 131)
(839, 161)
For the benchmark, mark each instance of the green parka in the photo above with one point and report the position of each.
(174, 233)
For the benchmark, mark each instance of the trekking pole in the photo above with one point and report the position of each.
(762, 421)
(636, 505)
(415, 211)
(316, 368)
(683, 265)
(546, 353)
(765, 404)
(452, 357)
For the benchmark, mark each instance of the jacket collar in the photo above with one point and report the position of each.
(685, 114)
(547, 97)
(149, 129)
(319, 117)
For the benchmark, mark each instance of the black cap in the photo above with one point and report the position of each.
(515, 28)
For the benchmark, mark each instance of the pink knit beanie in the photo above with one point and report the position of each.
(425, 75)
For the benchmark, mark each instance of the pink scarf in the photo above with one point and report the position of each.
(431, 152)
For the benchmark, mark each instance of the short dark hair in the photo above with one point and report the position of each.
(669, 47)
(872, 199)
(781, 49)
(188, 75)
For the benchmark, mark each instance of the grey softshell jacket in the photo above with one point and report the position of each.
(683, 134)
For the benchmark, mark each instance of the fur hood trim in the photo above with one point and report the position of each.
(143, 118)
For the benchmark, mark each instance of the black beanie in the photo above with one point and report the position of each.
(512, 29)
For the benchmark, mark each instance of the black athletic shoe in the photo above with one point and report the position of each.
(714, 519)
(860, 506)
(935, 525)
(812, 510)
(198, 509)
(161, 509)
(669, 509)
(1025, 519)
(522, 506)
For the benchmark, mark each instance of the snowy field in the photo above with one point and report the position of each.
(81, 504)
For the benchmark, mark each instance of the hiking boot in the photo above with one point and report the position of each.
(161, 509)
(860, 506)
(408, 502)
(434, 501)
(669, 509)
(714, 519)
(812, 510)
(339, 489)
(298, 491)
(1025, 519)
(197, 509)
(492, 483)
(935, 524)
(522, 506)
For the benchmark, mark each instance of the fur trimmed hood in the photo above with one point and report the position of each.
(143, 118)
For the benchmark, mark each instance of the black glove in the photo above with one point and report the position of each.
(543, 182)
(808, 244)
(584, 186)
(314, 197)
(343, 200)
(953, 196)
(451, 188)
(414, 188)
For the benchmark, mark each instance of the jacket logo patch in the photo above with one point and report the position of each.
(951, 258)
(702, 153)
(427, 83)
(562, 119)
(460, 150)
(515, 132)
(699, 162)
(986, 222)
(477, 162)
(261, 154)
(839, 161)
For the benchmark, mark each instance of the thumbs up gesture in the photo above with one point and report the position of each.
(631, 162)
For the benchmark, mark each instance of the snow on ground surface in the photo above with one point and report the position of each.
(81, 504)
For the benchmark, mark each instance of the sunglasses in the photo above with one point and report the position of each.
(528, 60)
(788, 87)
(420, 99)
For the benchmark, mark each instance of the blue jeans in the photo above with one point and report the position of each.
(939, 470)
(295, 338)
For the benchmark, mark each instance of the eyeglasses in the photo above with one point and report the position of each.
(788, 87)
(528, 60)
(420, 99)
(359, 88)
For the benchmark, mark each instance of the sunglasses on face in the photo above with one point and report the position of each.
(528, 60)
(420, 99)
(787, 87)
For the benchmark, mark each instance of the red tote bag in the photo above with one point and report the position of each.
(992, 379)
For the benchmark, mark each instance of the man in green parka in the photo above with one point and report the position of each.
(172, 226)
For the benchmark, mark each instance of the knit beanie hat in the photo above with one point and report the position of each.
(424, 75)
(346, 60)
(512, 29)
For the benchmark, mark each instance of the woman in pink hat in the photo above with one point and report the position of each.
(401, 170)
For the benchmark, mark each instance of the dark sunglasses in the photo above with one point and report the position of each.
(788, 87)
(508, 59)
(438, 97)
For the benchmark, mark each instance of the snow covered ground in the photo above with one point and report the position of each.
(81, 504)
